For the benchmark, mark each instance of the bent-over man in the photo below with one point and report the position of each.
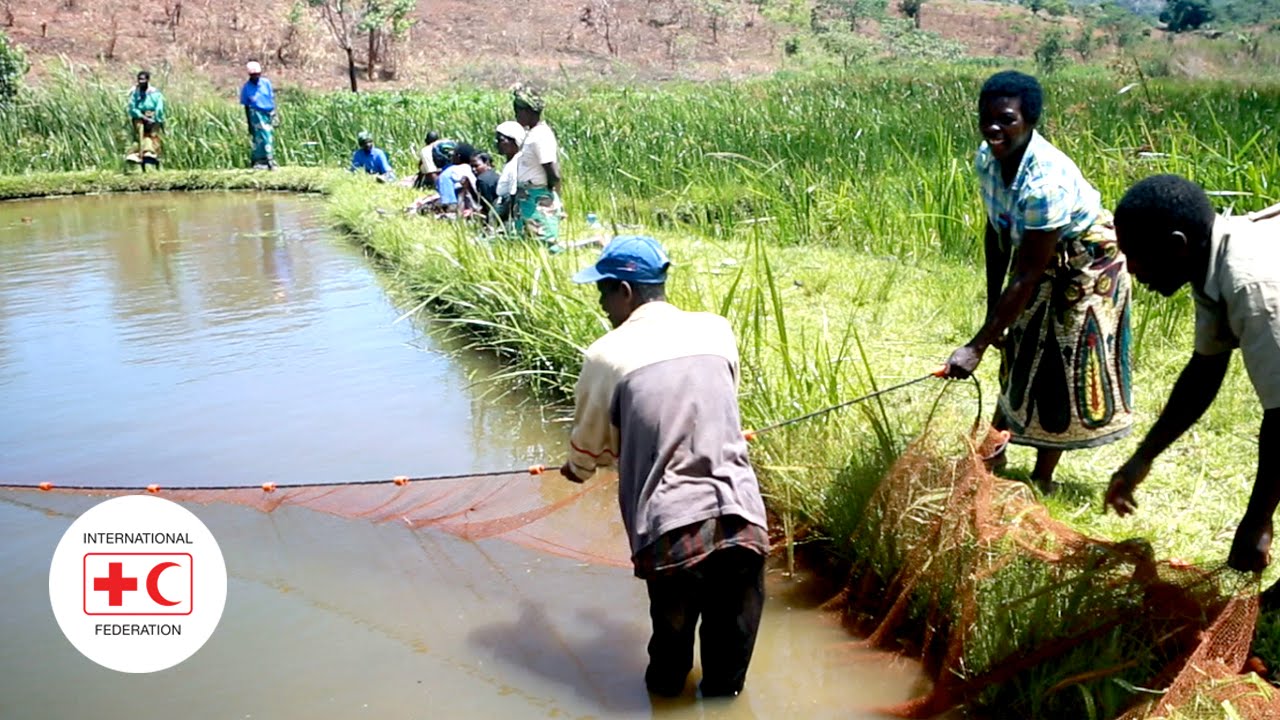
(657, 397)
(1168, 229)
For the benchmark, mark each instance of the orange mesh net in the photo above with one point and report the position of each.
(1013, 610)
(1007, 607)
(546, 513)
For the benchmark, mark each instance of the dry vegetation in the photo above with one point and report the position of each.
(454, 40)
(449, 39)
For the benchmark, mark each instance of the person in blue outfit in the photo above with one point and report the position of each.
(372, 160)
(259, 101)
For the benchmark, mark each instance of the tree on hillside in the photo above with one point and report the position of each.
(848, 45)
(853, 11)
(13, 65)
(601, 17)
(1050, 55)
(1183, 15)
(1055, 8)
(717, 12)
(1120, 26)
(342, 17)
(911, 9)
(386, 22)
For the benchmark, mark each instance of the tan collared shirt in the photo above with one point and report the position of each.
(1240, 305)
(658, 398)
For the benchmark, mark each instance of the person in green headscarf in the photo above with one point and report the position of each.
(146, 115)
(538, 174)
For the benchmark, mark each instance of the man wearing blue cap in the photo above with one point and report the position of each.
(658, 398)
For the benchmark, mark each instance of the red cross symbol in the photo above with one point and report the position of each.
(115, 584)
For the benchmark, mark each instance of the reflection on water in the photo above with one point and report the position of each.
(230, 339)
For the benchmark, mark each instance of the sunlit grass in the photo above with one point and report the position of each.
(835, 222)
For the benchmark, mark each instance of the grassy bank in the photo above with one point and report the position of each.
(879, 160)
(16, 187)
(816, 325)
(835, 222)
(819, 325)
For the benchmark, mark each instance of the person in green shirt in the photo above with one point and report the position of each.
(146, 114)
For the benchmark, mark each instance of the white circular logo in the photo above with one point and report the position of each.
(138, 584)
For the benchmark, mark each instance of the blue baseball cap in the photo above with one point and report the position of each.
(634, 258)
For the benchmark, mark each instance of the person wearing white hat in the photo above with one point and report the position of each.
(509, 138)
(259, 101)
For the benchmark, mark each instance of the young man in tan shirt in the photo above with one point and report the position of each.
(1172, 237)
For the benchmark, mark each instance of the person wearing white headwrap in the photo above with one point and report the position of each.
(259, 101)
(509, 137)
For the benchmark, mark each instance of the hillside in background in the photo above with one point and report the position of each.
(443, 42)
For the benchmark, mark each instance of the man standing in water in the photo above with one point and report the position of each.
(259, 101)
(146, 114)
(658, 398)
(1167, 228)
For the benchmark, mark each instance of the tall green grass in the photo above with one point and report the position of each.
(879, 161)
(834, 220)
(815, 326)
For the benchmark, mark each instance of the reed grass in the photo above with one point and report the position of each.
(308, 180)
(835, 222)
(817, 325)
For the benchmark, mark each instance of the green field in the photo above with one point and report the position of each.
(835, 220)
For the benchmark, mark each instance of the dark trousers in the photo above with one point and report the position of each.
(727, 590)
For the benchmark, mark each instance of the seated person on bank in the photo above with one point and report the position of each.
(371, 159)
(486, 182)
(457, 183)
(433, 156)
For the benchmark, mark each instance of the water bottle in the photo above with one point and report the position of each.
(599, 236)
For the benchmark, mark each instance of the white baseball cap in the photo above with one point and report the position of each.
(253, 67)
(513, 130)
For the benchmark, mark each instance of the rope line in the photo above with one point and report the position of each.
(402, 480)
(751, 434)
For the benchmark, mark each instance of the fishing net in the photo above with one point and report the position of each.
(543, 512)
(1012, 610)
(1008, 608)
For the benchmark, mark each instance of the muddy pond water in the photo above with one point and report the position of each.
(192, 339)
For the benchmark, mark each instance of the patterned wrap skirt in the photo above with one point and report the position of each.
(1066, 372)
(538, 216)
(264, 137)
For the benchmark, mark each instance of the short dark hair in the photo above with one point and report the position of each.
(1161, 205)
(644, 292)
(432, 136)
(1014, 84)
(463, 153)
(144, 74)
(485, 158)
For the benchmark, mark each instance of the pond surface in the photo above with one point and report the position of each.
(231, 339)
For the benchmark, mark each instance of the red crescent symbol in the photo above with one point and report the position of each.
(153, 583)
